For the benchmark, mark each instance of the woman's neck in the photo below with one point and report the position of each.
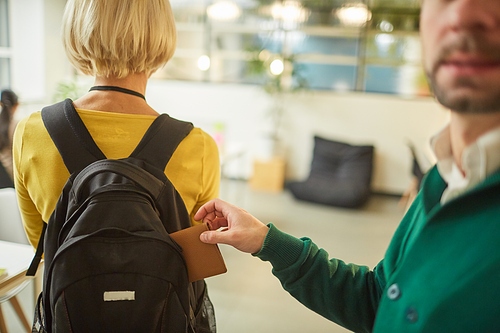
(136, 82)
(114, 101)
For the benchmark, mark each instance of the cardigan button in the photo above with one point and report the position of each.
(411, 315)
(393, 292)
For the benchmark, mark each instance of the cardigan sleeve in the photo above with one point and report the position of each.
(32, 219)
(347, 294)
(210, 175)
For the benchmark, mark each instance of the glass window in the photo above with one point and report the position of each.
(182, 68)
(393, 47)
(249, 42)
(381, 79)
(5, 62)
(189, 11)
(232, 70)
(327, 45)
(4, 73)
(406, 80)
(329, 77)
(4, 24)
(190, 39)
(339, 45)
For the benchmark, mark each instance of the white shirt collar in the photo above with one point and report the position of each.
(479, 160)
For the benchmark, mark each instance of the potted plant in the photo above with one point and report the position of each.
(276, 84)
(67, 89)
(281, 75)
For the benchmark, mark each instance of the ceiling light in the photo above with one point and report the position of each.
(354, 15)
(224, 11)
(289, 11)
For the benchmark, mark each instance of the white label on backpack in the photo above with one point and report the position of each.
(111, 296)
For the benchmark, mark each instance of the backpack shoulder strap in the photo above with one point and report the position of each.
(71, 137)
(161, 140)
(35, 262)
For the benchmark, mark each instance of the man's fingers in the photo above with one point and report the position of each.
(216, 223)
(219, 222)
(203, 211)
(212, 209)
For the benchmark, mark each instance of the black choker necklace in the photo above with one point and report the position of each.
(119, 89)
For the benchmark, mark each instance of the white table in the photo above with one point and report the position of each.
(16, 258)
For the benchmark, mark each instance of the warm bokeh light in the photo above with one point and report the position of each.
(386, 26)
(224, 11)
(289, 11)
(204, 63)
(354, 15)
(277, 67)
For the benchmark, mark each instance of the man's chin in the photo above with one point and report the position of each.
(466, 99)
(468, 104)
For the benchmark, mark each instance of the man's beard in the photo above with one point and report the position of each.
(466, 104)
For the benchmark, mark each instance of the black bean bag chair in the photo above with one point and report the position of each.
(340, 175)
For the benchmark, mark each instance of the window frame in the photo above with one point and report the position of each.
(6, 50)
(361, 61)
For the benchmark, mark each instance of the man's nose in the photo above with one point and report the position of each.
(480, 15)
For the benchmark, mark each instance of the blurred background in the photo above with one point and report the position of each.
(263, 77)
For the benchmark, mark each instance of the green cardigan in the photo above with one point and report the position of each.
(441, 272)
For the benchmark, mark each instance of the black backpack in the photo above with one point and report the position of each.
(110, 264)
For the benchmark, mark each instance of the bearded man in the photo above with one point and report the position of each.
(441, 272)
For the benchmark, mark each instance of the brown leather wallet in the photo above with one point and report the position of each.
(203, 260)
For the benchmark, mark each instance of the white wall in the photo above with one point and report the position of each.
(387, 122)
(57, 66)
(28, 45)
(38, 59)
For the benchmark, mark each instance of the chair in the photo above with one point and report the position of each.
(340, 175)
(11, 226)
(5, 180)
(11, 230)
(417, 176)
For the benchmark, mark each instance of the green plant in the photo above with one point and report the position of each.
(67, 89)
(258, 65)
(289, 81)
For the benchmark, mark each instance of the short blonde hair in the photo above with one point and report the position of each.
(118, 37)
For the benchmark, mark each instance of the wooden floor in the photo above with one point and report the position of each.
(248, 298)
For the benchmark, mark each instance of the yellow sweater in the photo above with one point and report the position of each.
(40, 174)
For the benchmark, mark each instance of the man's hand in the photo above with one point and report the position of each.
(231, 225)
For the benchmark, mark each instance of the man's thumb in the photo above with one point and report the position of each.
(212, 237)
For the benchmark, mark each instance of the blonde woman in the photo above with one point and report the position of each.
(121, 43)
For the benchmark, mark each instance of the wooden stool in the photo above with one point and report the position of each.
(17, 308)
